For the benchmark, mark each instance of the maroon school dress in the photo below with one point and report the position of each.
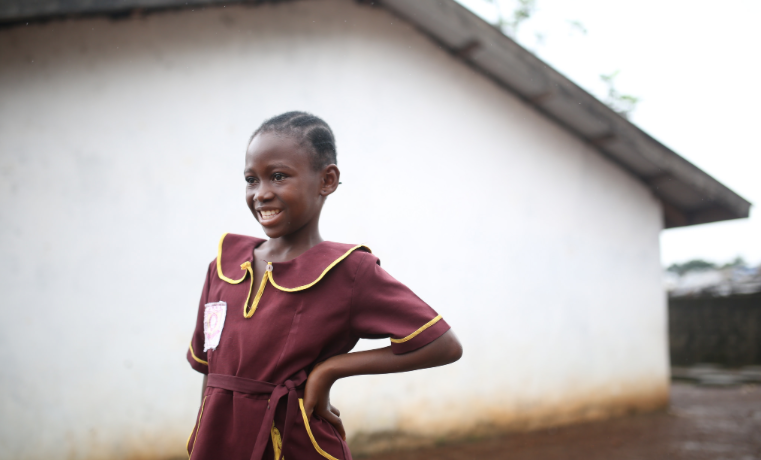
(270, 336)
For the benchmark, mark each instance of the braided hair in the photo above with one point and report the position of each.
(308, 131)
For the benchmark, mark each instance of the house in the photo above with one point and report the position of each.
(471, 168)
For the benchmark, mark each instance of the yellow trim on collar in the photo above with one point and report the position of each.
(219, 265)
(416, 333)
(324, 272)
(249, 312)
(206, 363)
(309, 432)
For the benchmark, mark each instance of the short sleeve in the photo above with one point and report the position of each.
(383, 307)
(196, 356)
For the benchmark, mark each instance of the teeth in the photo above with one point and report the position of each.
(269, 214)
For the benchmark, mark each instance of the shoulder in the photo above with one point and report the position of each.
(345, 249)
(313, 265)
(349, 256)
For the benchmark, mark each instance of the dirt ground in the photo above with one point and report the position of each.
(701, 423)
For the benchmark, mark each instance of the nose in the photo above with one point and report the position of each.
(263, 194)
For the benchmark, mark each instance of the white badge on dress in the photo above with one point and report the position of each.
(213, 322)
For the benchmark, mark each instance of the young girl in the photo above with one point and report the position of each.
(278, 317)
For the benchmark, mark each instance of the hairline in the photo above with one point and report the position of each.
(315, 160)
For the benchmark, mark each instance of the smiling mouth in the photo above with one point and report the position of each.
(266, 214)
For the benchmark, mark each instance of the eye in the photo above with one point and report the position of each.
(278, 177)
(251, 180)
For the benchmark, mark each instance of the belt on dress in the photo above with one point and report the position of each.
(276, 392)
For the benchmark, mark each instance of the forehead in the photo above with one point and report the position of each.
(269, 148)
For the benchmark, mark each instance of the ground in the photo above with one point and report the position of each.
(702, 423)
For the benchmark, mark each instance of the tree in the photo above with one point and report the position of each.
(738, 262)
(623, 104)
(696, 265)
(691, 266)
(522, 12)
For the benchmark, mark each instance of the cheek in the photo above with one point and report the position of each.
(308, 198)
(298, 204)
(249, 197)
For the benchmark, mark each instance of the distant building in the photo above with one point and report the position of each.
(714, 282)
(715, 316)
(475, 171)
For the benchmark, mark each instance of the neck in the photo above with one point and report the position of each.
(294, 244)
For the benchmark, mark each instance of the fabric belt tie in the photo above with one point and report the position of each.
(276, 392)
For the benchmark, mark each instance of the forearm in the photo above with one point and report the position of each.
(444, 350)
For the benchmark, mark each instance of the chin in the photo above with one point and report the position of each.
(274, 232)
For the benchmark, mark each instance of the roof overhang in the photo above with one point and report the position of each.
(689, 195)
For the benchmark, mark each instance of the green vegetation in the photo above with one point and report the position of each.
(701, 265)
(522, 11)
(622, 104)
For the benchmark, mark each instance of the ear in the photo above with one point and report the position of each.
(330, 180)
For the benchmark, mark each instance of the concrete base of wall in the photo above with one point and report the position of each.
(577, 412)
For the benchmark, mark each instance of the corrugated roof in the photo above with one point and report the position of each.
(689, 195)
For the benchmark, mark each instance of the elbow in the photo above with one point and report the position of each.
(456, 353)
(454, 348)
(442, 351)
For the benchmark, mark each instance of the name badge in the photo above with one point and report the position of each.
(213, 321)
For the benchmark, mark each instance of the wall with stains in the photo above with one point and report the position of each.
(121, 154)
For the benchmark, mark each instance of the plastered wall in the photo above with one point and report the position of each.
(121, 156)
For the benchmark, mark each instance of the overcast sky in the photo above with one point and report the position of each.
(695, 66)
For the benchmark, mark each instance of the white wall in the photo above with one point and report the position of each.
(121, 150)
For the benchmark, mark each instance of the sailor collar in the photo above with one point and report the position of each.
(236, 254)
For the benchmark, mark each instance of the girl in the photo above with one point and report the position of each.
(278, 317)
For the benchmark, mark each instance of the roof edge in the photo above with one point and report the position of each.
(689, 195)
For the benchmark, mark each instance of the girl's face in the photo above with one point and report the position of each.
(283, 191)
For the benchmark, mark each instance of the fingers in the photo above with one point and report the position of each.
(334, 420)
(335, 410)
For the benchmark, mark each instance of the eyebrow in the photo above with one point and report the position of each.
(273, 166)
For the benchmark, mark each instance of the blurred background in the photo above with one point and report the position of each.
(568, 183)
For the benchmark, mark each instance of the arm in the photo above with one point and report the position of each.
(203, 387)
(444, 350)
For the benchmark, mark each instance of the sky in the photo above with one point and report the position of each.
(692, 65)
